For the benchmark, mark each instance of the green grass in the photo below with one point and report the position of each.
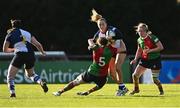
(31, 95)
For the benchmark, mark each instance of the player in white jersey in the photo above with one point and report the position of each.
(21, 42)
(116, 40)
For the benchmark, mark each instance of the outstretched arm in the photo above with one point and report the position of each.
(37, 45)
(137, 56)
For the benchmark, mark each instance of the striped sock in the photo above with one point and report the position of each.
(36, 78)
(11, 86)
(121, 86)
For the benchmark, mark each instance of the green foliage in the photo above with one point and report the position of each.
(33, 96)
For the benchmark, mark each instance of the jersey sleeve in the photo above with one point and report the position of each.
(118, 34)
(8, 38)
(95, 37)
(154, 38)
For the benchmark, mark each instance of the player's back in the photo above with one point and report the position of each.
(20, 40)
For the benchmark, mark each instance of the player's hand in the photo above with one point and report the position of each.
(146, 50)
(133, 61)
(43, 53)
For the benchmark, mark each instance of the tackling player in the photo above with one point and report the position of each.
(97, 71)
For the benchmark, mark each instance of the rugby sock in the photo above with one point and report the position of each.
(11, 86)
(158, 83)
(67, 87)
(121, 86)
(36, 78)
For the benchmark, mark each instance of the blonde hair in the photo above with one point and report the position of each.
(95, 16)
(144, 26)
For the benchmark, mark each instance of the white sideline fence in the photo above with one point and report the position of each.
(54, 55)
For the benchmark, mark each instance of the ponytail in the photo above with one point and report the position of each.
(95, 16)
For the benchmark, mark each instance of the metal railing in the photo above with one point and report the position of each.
(50, 55)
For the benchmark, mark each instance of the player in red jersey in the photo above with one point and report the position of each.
(98, 70)
(115, 38)
(149, 47)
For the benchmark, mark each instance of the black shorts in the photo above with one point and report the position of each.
(100, 81)
(154, 64)
(23, 58)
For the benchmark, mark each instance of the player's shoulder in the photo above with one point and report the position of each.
(22, 30)
(139, 38)
(12, 32)
(25, 32)
(112, 28)
(152, 36)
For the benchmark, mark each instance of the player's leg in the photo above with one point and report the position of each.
(36, 78)
(112, 70)
(15, 64)
(155, 67)
(155, 75)
(136, 75)
(30, 73)
(79, 80)
(120, 57)
(12, 70)
(99, 81)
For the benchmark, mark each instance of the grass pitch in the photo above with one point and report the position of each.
(31, 95)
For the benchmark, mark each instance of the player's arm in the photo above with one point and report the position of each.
(6, 45)
(91, 43)
(138, 55)
(95, 37)
(37, 45)
(6, 48)
(159, 47)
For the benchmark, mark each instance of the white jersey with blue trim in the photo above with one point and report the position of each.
(20, 40)
(113, 33)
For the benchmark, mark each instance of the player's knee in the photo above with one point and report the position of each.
(76, 82)
(135, 76)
